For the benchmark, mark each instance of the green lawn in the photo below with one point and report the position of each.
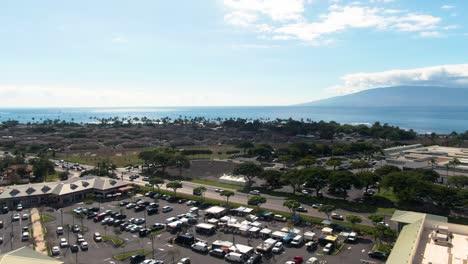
(47, 218)
(53, 177)
(388, 194)
(387, 211)
(123, 256)
(115, 240)
(218, 184)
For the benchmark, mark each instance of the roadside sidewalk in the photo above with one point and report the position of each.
(38, 234)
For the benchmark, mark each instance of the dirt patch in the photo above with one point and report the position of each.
(206, 169)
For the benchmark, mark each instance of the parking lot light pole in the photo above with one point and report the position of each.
(61, 216)
(152, 245)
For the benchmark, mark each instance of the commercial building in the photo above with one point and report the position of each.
(61, 193)
(431, 157)
(425, 239)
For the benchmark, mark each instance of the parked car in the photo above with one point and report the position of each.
(136, 259)
(218, 253)
(255, 192)
(311, 245)
(297, 260)
(317, 206)
(255, 259)
(200, 247)
(25, 217)
(167, 209)
(184, 261)
(313, 260)
(55, 251)
(84, 246)
(15, 217)
(278, 248)
(59, 230)
(328, 249)
(75, 229)
(377, 255)
(63, 243)
(97, 237)
(279, 218)
(19, 207)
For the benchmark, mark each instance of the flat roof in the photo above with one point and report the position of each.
(408, 217)
(215, 210)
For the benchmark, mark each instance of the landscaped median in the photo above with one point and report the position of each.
(117, 242)
(126, 255)
(47, 218)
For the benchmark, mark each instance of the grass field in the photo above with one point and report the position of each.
(47, 218)
(218, 184)
(53, 177)
(126, 255)
(120, 161)
(389, 194)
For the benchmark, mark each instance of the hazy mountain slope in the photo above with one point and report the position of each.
(400, 96)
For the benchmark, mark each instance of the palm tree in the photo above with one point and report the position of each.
(227, 194)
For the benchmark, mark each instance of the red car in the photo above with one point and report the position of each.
(297, 259)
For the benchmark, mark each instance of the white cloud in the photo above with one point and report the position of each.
(279, 10)
(447, 7)
(455, 75)
(253, 46)
(239, 18)
(430, 34)
(341, 18)
(286, 19)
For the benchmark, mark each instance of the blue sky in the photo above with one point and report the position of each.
(224, 52)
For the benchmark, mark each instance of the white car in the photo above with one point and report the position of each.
(59, 230)
(55, 251)
(64, 243)
(255, 192)
(16, 217)
(84, 245)
(328, 249)
(166, 209)
(312, 260)
(278, 247)
(25, 217)
(184, 261)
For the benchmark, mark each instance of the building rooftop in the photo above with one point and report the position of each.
(428, 239)
(408, 217)
(60, 188)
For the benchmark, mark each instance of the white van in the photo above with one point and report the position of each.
(297, 241)
(200, 247)
(234, 257)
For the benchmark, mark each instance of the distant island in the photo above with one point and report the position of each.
(420, 96)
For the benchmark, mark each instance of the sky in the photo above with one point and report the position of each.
(118, 53)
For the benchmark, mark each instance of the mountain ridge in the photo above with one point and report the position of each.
(399, 96)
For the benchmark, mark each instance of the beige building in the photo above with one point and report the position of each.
(61, 193)
(428, 239)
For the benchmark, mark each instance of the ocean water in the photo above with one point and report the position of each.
(421, 119)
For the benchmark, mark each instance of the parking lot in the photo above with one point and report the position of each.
(12, 230)
(103, 252)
